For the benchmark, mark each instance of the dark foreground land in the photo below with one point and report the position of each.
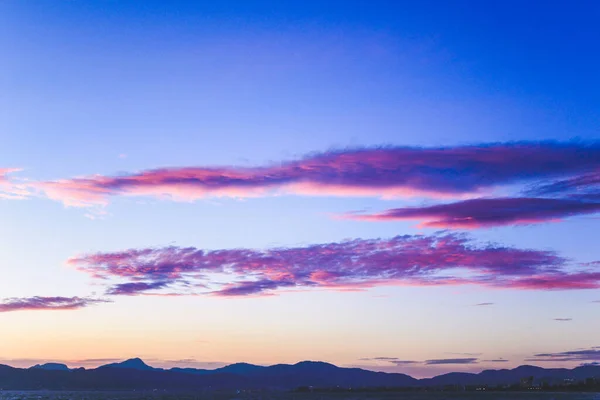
(301, 379)
(136, 395)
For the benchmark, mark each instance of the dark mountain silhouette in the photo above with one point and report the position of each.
(132, 363)
(308, 373)
(510, 376)
(52, 367)
(241, 369)
(238, 369)
(136, 374)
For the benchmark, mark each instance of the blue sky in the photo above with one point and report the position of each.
(115, 88)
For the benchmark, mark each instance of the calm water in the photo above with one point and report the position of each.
(55, 395)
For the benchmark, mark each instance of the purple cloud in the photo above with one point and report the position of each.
(132, 288)
(586, 185)
(486, 212)
(404, 362)
(563, 319)
(560, 280)
(245, 288)
(443, 361)
(483, 304)
(439, 259)
(592, 354)
(393, 360)
(382, 172)
(47, 303)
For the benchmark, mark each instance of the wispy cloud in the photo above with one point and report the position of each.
(483, 304)
(584, 186)
(563, 319)
(392, 360)
(380, 172)
(404, 362)
(4, 172)
(10, 190)
(592, 354)
(47, 303)
(485, 212)
(439, 259)
(440, 361)
(443, 361)
(97, 360)
(130, 288)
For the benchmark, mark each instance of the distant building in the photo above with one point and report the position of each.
(527, 382)
(590, 382)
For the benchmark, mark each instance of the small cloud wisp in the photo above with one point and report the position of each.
(47, 303)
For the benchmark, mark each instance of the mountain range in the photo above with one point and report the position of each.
(136, 374)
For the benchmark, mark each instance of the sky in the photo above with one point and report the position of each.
(399, 186)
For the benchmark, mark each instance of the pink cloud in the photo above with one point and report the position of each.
(4, 173)
(47, 303)
(562, 280)
(10, 190)
(450, 172)
(411, 260)
(485, 212)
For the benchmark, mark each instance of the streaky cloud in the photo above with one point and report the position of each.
(411, 260)
(253, 287)
(10, 190)
(393, 360)
(582, 186)
(444, 361)
(486, 212)
(592, 354)
(391, 171)
(440, 361)
(47, 303)
(131, 288)
(404, 362)
(573, 280)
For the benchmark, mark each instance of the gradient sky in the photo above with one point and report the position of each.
(223, 153)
